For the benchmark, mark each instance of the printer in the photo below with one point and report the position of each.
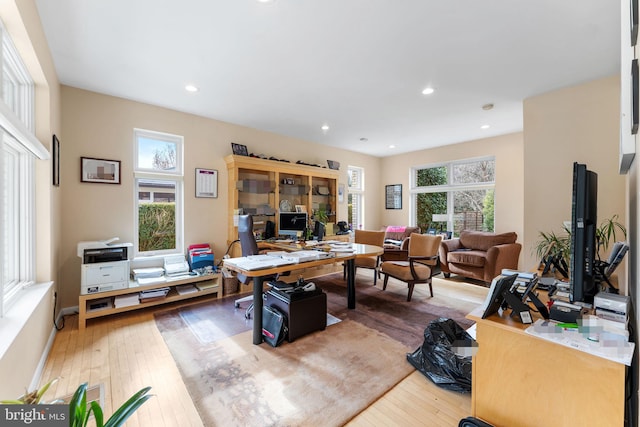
(105, 265)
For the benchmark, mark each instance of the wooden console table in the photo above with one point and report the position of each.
(85, 300)
(521, 380)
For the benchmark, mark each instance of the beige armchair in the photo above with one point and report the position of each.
(373, 262)
(420, 266)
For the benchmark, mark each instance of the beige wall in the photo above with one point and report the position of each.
(102, 126)
(23, 357)
(508, 152)
(575, 124)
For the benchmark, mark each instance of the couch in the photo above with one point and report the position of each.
(479, 255)
(396, 242)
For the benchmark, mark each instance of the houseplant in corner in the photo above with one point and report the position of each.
(558, 246)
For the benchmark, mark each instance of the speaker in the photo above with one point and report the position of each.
(318, 231)
(270, 230)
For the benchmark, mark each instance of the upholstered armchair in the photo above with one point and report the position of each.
(372, 262)
(420, 266)
(479, 255)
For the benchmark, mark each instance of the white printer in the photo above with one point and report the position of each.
(105, 265)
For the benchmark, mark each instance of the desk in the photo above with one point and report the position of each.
(259, 276)
(519, 379)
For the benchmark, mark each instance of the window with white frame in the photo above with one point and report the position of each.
(454, 196)
(355, 215)
(19, 150)
(158, 193)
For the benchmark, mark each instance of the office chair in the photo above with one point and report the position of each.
(248, 246)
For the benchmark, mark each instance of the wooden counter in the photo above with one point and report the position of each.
(522, 380)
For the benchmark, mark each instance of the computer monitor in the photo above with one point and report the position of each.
(292, 224)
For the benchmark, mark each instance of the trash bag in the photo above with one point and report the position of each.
(445, 355)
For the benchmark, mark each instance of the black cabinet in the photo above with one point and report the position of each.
(304, 315)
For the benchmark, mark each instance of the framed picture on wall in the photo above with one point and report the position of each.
(393, 196)
(206, 183)
(101, 171)
(635, 115)
(239, 149)
(56, 161)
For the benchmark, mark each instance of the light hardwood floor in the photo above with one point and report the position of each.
(126, 352)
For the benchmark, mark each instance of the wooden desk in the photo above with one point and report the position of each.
(522, 380)
(259, 276)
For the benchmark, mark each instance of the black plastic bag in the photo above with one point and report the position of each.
(445, 355)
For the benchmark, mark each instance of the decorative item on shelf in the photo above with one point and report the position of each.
(285, 206)
(288, 181)
(333, 164)
(323, 190)
(239, 149)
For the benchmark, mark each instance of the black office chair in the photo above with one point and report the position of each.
(249, 246)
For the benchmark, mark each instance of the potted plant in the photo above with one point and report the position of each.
(558, 246)
(80, 411)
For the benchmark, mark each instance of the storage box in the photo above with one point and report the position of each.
(230, 283)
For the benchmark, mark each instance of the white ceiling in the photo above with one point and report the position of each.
(359, 66)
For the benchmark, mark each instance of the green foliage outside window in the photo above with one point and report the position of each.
(156, 226)
(488, 211)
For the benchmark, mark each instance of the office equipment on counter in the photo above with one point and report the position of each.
(105, 265)
(175, 265)
(612, 306)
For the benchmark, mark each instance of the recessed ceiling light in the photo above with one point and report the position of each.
(485, 127)
(392, 146)
(428, 91)
(190, 88)
(265, 1)
(325, 128)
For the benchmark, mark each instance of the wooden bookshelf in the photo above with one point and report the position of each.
(84, 313)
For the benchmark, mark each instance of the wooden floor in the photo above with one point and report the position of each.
(126, 352)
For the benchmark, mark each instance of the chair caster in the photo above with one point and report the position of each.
(237, 305)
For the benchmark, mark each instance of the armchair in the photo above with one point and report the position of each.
(479, 255)
(420, 265)
(373, 262)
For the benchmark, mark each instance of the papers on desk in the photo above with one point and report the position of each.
(341, 247)
(257, 262)
(592, 336)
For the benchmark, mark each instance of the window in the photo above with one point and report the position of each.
(454, 196)
(158, 193)
(19, 149)
(356, 197)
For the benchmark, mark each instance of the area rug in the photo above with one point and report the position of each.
(324, 378)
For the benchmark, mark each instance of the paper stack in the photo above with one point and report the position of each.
(153, 294)
(200, 256)
(126, 300)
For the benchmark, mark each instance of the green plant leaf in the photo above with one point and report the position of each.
(78, 407)
(129, 407)
(98, 415)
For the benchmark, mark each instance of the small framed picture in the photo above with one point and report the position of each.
(239, 149)
(101, 171)
(206, 183)
(301, 209)
(56, 161)
(393, 196)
